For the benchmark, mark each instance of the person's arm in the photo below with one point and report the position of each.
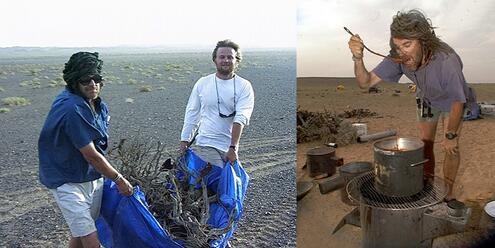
(455, 82)
(244, 110)
(364, 78)
(234, 142)
(191, 118)
(101, 164)
(455, 118)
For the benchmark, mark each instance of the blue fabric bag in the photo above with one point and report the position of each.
(127, 222)
(473, 110)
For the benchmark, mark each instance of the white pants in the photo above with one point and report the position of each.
(80, 205)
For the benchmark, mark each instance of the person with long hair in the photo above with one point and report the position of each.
(436, 69)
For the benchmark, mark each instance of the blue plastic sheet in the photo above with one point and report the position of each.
(127, 222)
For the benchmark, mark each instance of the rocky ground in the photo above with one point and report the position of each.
(147, 95)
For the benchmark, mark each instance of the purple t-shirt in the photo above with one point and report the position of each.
(441, 81)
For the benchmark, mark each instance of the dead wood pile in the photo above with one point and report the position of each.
(325, 126)
(181, 208)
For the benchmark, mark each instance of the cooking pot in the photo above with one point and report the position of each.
(399, 166)
(322, 161)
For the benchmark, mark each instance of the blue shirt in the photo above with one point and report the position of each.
(70, 125)
(440, 82)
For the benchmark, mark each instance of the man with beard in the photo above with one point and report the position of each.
(436, 69)
(219, 106)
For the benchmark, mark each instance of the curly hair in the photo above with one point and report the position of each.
(231, 44)
(413, 24)
(79, 66)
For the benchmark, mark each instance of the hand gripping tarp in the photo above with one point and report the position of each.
(127, 222)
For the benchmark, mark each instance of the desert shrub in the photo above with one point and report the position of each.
(34, 83)
(128, 67)
(182, 210)
(16, 101)
(25, 83)
(34, 72)
(55, 83)
(326, 126)
(145, 88)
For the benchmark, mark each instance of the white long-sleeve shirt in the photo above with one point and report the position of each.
(202, 110)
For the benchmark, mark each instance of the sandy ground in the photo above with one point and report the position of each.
(317, 214)
(28, 215)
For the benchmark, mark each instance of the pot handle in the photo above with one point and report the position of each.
(419, 163)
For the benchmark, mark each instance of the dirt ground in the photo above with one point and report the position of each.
(317, 214)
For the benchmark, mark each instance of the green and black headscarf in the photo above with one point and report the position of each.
(81, 65)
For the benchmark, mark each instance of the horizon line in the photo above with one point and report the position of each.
(149, 46)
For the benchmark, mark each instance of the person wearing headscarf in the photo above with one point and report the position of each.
(72, 146)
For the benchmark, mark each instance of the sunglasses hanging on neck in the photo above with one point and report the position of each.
(218, 101)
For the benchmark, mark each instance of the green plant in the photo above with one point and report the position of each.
(16, 101)
(4, 110)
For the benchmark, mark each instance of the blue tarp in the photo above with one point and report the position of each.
(127, 222)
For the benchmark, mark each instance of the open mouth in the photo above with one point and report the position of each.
(408, 61)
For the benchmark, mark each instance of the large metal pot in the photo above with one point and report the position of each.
(399, 166)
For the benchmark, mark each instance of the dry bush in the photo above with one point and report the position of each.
(358, 113)
(326, 126)
(181, 208)
(4, 110)
(145, 88)
(16, 101)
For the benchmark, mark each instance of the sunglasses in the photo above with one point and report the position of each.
(226, 116)
(218, 102)
(85, 81)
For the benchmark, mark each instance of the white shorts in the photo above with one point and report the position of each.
(210, 154)
(80, 205)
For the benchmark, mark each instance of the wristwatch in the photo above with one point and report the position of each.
(450, 136)
(233, 147)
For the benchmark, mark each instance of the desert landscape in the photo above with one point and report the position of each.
(318, 215)
(147, 95)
